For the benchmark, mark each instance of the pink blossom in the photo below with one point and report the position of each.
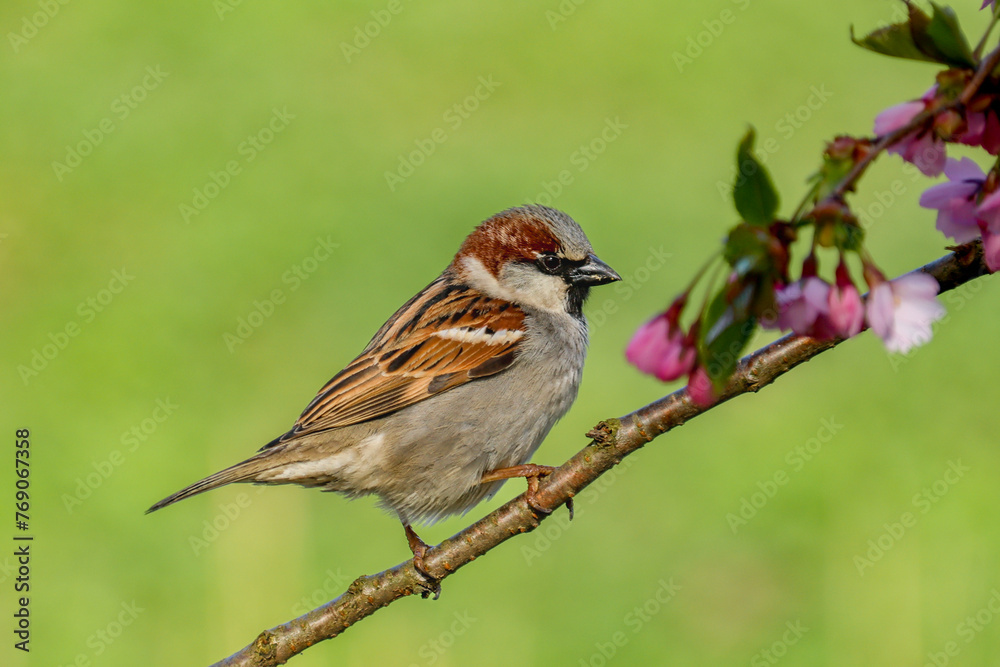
(989, 212)
(649, 344)
(803, 306)
(660, 348)
(955, 200)
(991, 250)
(897, 116)
(923, 150)
(700, 389)
(921, 147)
(982, 129)
(846, 310)
(901, 311)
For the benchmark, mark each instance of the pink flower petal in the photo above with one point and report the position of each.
(975, 122)
(678, 364)
(991, 135)
(661, 349)
(991, 250)
(649, 345)
(989, 211)
(847, 311)
(943, 194)
(700, 389)
(896, 117)
(802, 304)
(927, 153)
(959, 221)
(879, 309)
(955, 200)
(965, 169)
(816, 292)
(901, 311)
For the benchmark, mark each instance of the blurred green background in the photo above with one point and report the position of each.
(157, 100)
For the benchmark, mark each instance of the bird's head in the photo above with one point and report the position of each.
(533, 256)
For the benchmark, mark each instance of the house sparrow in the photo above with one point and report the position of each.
(458, 389)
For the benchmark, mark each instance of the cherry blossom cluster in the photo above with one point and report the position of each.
(962, 107)
(968, 205)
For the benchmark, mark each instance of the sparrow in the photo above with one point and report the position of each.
(459, 387)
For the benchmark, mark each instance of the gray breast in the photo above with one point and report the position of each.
(445, 445)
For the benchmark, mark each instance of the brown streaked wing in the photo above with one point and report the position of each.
(407, 362)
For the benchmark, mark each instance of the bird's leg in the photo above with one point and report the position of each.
(531, 472)
(419, 548)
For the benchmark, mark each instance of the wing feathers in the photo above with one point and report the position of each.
(444, 337)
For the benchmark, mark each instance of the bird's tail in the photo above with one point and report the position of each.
(241, 472)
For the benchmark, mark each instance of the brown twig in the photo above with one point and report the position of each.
(846, 184)
(613, 440)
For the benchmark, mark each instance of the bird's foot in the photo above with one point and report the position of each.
(531, 472)
(432, 585)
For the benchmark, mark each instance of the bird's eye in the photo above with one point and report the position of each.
(550, 263)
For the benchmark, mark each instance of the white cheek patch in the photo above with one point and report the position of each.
(481, 335)
(523, 285)
(533, 288)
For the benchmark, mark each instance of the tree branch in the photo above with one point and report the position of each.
(613, 440)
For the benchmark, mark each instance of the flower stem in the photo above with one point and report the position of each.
(982, 43)
(810, 194)
(848, 182)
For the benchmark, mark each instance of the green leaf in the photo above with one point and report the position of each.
(754, 194)
(937, 38)
(727, 326)
(948, 38)
(747, 249)
(893, 40)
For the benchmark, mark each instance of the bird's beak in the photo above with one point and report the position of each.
(594, 272)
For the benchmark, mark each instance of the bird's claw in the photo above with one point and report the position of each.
(532, 472)
(431, 584)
